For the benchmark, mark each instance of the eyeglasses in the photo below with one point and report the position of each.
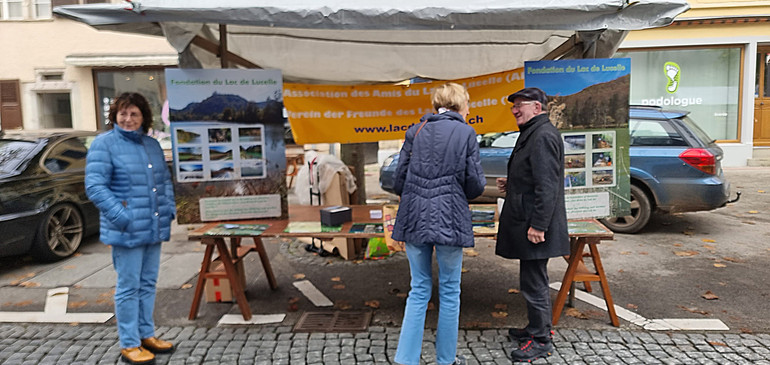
(519, 104)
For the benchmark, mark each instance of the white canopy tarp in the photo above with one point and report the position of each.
(368, 41)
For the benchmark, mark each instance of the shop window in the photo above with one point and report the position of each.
(11, 10)
(680, 79)
(148, 82)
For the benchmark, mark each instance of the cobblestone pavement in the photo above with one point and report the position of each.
(97, 344)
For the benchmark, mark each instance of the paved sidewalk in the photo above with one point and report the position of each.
(97, 344)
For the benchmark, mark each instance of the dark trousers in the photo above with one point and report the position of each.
(534, 286)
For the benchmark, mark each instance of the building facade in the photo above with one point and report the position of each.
(712, 61)
(58, 73)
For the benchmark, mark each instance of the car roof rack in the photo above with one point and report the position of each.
(656, 107)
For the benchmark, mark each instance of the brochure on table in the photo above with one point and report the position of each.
(588, 102)
(227, 131)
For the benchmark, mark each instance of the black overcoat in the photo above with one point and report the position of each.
(534, 194)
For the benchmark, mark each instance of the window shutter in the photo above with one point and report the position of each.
(10, 105)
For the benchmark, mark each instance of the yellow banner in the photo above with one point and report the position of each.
(370, 113)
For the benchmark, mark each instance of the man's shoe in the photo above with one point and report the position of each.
(531, 351)
(137, 355)
(157, 346)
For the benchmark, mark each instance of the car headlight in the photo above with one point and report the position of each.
(387, 161)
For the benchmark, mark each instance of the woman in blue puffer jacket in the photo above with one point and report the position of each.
(128, 180)
(439, 169)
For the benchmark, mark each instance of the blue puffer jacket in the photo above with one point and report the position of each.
(438, 171)
(128, 180)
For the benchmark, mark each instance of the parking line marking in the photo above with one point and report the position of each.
(667, 324)
(312, 293)
(55, 311)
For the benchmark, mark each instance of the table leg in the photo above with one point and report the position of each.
(265, 263)
(201, 281)
(566, 283)
(232, 274)
(604, 284)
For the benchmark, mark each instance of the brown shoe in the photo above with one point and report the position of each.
(137, 355)
(157, 346)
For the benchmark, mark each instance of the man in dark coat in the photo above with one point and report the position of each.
(533, 222)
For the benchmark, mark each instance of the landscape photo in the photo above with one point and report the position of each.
(190, 154)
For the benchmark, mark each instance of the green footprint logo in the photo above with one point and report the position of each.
(672, 71)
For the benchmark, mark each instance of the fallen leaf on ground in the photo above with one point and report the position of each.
(753, 212)
(29, 284)
(293, 307)
(20, 304)
(342, 305)
(293, 300)
(186, 286)
(709, 247)
(716, 343)
(685, 253)
(372, 303)
(693, 310)
(500, 314)
(69, 267)
(677, 245)
(501, 306)
(749, 222)
(338, 286)
(401, 295)
(471, 253)
(732, 259)
(746, 330)
(463, 270)
(513, 291)
(632, 306)
(77, 254)
(298, 276)
(643, 253)
(708, 295)
(688, 233)
(621, 270)
(760, 191)
(707, 240)
(76, 286)
(356, 261)
(625, 252)
(719, 265)
(573, 312)
(336, 278)
(73, 305)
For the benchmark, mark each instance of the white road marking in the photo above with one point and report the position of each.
(312, 293)
(667, 324)
(55, 311)
(259, 319)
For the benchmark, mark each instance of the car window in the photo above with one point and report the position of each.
(646, 132)
(15, 153)
(68, 155)
(699, 133)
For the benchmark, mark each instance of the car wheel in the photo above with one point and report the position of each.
(641, 210)
(60, 233)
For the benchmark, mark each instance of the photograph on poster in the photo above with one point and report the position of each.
(252, 168)
(190, 154)
(250, 134)
(251, 151)
(577, 161)
(220, 135)
(602, 177)
(191, 167)
(574, 142)
(220, 153)
(602, 141)
(574, 179)
(602, 159)
(222, 170)
(188, 136)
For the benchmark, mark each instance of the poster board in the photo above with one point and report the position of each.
(227, 142)
(588, 102)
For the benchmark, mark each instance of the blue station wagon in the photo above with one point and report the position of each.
(675, 167)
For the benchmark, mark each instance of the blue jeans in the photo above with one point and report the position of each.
(137, 270)
(450, 260)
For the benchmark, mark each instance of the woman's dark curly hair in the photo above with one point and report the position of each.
(125, 100)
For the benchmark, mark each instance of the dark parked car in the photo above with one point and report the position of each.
(44, 209)
(675, 167)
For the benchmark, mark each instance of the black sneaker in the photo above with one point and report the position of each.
(459, 360)
(531, 351)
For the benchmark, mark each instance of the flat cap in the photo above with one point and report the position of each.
(530, 93)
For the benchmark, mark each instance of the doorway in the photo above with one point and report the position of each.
(762, 98)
